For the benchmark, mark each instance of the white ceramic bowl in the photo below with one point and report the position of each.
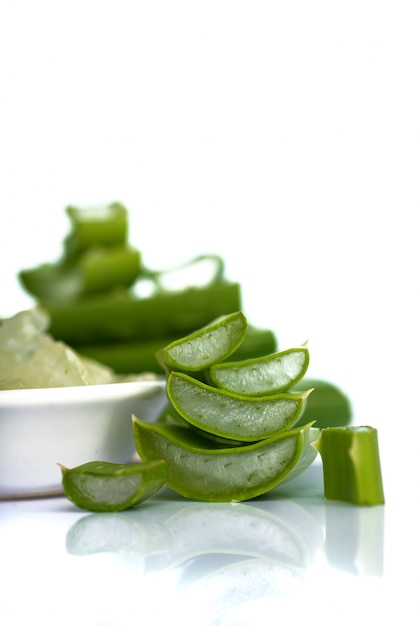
(69, 425)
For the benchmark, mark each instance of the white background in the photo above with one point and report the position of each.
(281, 135)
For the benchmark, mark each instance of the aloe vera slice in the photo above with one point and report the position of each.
(351, 464)
(201, 471)
(229, 415)
(102, 486)
(210, 344)
(264, 375)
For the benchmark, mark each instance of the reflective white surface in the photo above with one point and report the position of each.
(289, 554)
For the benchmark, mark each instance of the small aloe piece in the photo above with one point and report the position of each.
(102, 486)
(206, 346)
(264, 375)
(202, 471)
(94, 271)
(351, 464)
(229, 415)
(97, 226)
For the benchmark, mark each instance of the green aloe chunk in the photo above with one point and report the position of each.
(327, 406)
(351, 464)
(97, 226)
(264, 375)
(201, 471)
(229, 415)
(102, 486)
(205, 346)
(119, 317)
(94, 271)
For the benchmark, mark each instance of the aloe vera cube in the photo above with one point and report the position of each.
(243, 418)
(351, 464)
(269, 374)
(210, 344)
(102, 486)
(201, 471)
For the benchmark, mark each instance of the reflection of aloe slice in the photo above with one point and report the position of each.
(264, 375)
(234, 586)
(117, 532)
(102, 486)
(210, 344)
(224, 528)
(361, 553)
(231, 416)
(200, 471)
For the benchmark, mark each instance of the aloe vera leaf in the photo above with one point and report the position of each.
(140, 356)
(327, 406)
(243, 418)
(201, 471)
(351, 464)
(269, 374)
(101, 486)
(119, 317)
(205, 346)
(98, 226)
(257, 342)
(98, 269)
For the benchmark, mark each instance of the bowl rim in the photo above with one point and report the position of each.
(116, 390)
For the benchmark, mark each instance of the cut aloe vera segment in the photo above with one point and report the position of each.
(351, 464)
(264, 375)
(229, 415)
(206, 346)
(201, 471)
(102, 486)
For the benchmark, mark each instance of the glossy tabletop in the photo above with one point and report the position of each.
(289, 554)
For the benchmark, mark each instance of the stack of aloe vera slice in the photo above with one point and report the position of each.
(230, 430)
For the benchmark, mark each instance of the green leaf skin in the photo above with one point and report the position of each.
(98, 226)
(201, 471)
(257, 342)
(204, 347)
(269, 374)
(351, 464)
(101, 486)
(123, 317)
(327, 406)
(95, 271)
(243, 418)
